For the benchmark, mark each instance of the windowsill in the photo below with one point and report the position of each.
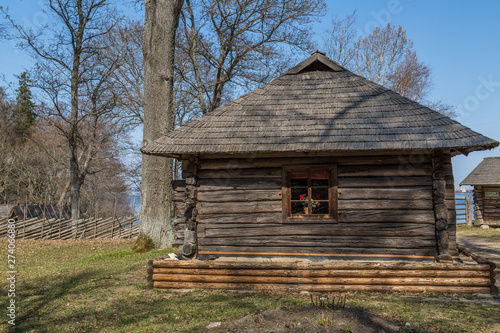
(295, 220)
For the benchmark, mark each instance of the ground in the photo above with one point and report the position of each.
(484, 242)
(99, 286)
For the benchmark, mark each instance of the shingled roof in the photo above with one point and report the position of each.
(319, 106)
(486, 173)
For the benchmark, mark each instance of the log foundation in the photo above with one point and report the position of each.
(322, 277)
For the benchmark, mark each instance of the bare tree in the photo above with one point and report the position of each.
(381, 52)
(162, 19)
(73, 72)
(340, 39)
(241, 43)
(410, 78)
(385, 56)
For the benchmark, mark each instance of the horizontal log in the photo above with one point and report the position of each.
(368, 273)
(320, 230)
(421, 193)
(245, 163)
(207, 208)
(342, 229)
(385, 204)
(239, 184)
(337, 265)
(318, 288)
(330, 251)
(422, 216)
(240, 173)
(179, 196)
(390, 170)
(321, 242)
(384, 181)
(414, 281)
(239, 195)
(242, 218)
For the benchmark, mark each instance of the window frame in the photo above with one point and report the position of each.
(333, 215)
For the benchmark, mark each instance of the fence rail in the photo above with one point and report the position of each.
(463, 207)
(91, 228)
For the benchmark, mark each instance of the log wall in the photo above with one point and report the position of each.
(385, 207)
(321, 277)
(487, 209)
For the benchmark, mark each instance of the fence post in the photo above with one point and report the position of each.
(468, 211)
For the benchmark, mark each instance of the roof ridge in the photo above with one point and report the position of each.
(319, 61)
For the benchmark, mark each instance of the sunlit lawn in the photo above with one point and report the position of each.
(99, 286)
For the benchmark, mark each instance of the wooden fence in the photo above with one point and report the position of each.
(463, 207)
(91, 228)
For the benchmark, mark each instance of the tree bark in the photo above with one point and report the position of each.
(162, 18)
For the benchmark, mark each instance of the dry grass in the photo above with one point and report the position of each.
(489, 234)
(99, 286)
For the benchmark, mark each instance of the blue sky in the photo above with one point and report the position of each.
(458, 40)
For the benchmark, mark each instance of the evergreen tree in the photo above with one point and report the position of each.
(23, 115)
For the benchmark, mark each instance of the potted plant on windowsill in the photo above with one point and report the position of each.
(305, 202)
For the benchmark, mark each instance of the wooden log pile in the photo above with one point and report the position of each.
(321, 277)
(482, 261)
(91, 228)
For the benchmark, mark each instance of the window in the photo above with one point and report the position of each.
(309, 193)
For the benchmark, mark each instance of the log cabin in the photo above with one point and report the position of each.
(486, 193)
(321, 164)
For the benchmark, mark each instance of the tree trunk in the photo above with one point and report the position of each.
(162, 18)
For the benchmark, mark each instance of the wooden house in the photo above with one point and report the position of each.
(486, 194)
(320, 164)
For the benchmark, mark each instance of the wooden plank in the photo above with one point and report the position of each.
(238, 195)
(239, 184)
(347, 229)
(394, 170)
(413, 281)
(385, 204)
(348, 265)
(314, 251)
(207, 208)
(323, 242)
(319, 288)
(367, 182)
(422, 216)
(317, 230)
(241, 218)
(240, 173)
(419, 193)
(326, 272)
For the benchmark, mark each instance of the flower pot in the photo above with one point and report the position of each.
(306, 210)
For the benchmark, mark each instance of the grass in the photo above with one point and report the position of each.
(487, 234)
(99, 286)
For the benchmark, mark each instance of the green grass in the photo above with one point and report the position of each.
(99, 286)
(486, 234)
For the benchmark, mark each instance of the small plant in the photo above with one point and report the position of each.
(324, 320)
(345, 330)
(305, 200)
(329, 302)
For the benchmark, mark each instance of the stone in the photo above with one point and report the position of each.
(213, 325)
